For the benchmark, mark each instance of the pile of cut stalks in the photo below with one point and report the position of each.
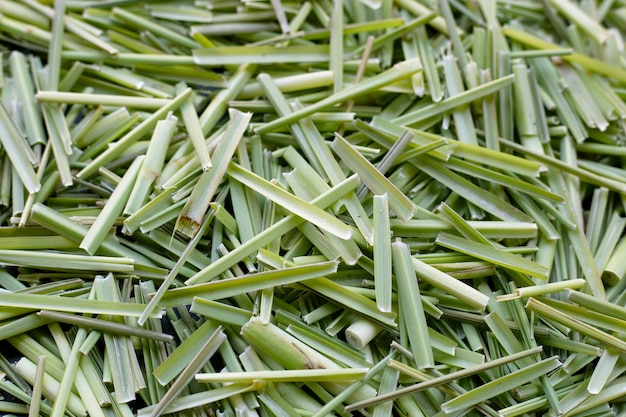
(315, 208)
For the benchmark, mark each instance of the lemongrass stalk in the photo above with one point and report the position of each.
(252, 282)
(490, 254)
(598, 305)
(52, 260)
(112, 209)
(500, 385)
(411, 306)
(378, 183)
(147, 103)
(68, 304)
(101, 127)
(154, 27)
(169, 279)
(71, 361)
(451, 103)
(336, 292)
(577, 58)
(240, 55)
(309, 375)
(600, 376)
(217, 107)
(134, 135)
(490, 229)
(25, 91)
(171, 366)
(28, 370)
(192, 123)
(216, 310)
(290, 83)
(18, 152)
(373, 371)
(502, 179)
(203, 398)
(152, 164)
(194, 210)
(268, 235)
(557, 316)
(360, 333)
(450, 285)
(480, 197)
(544, 289)
(382, 253)
(397, 72)
(194, 365)
(614, 271)
(317, 151)
(105, 326)
(55, 47)
(35, 404)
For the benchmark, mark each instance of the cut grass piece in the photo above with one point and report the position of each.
(378, 183)
(450, 285)
(555, 315)
(410, 306)
(382, 253)
(398, 72)
(500, 385)
(191, 216)
(444, 379)
(252, 282)
(71, 305)
(293, 204)
(493, 255)
(112, 209)
(270, 234)
(310, 375)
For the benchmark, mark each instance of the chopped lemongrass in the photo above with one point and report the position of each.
(152, 231)
(309, 375)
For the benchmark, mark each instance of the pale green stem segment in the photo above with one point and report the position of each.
(53, 260)
(112, 209)
(293, 204)
(18, 151)
(499, 386)
(437, 381)
(450, 103)
(273, 232)
(524, 292)
(584, 61)
(92, 99)
(152, 165)
(398, 72)
(374, 370)
(411, 306)
(194, 129)
(557, 316)
(377, 182)
(193, 366)
(229, 287)
(134, 135)
(105, 325)
(71, 305)
(493, 255)
(25, 91)
(28, 370)
(382, 253)
(154, 27)
(460, 290)
(190, 218)
(308, 375)
(35, 405)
